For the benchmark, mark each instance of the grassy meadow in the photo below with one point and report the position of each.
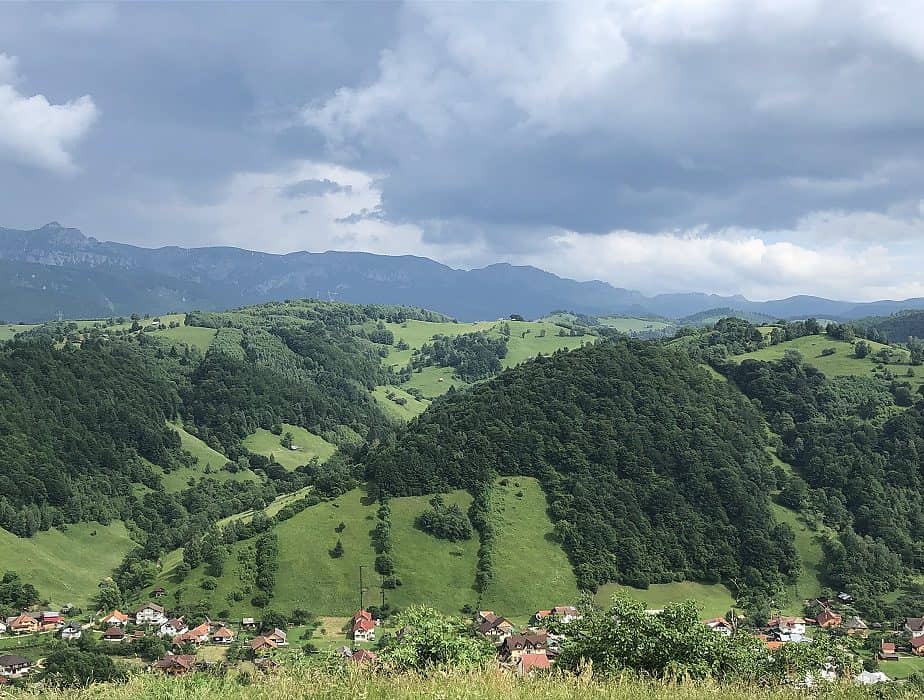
(411, 409)
(527, 340)
(66, 567)
(309, 445)
(350, 683)
(194, 336)
(808, 544)
(842, 363)
(9, 330)
(206, 457)
(531, 571)
(627, 324)
(714, 599)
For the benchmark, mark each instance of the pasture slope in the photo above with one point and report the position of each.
(66, 566)
(842, 363)
(527, 339)
(531, 570)
(308, 445)
(208, 464)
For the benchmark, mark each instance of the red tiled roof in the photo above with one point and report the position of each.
(534, 662)
(362, 655)
(364, 625)
(917, 642)
(362, 615)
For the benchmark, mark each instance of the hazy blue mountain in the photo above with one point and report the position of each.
(55, 270)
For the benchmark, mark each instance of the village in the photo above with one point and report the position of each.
(184, 646)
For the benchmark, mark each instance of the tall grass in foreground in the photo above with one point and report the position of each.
(362, 685)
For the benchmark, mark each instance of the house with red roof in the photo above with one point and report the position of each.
(531, 663)
(363, 630)
(887, 651)
(176, 664)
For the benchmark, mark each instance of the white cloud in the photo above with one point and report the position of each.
(759, 264)
(266, 211)
(35, 132)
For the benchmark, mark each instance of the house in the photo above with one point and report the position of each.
(114, 634)
(22, 624)
(887, 651)
(362, 656)
(262, 645)
(484, 615)
(249, 624)
(363, 630)
(720, 625)
(150, 614)
(197, 635)
(158, 592)
(514, 646)
(498, 629)
(13, 666)
(827, 618)
(115, 619)
(566, 613)
(171, 628)
(917, 646)
(787, 625)
(362, 615)
(222, 636)
(856, 627)
(915, 626)
(529, 664)
(71, 631)
(176, 664)
(845, 598)
(278, 637)
(50, 620)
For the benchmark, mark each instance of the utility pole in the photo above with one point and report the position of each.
(361, 589)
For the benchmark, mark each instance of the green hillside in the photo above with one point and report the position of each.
(526, 340)
(808, 544)
(209, 464)
(531, 570)
(8, 331)
(714, 599)
(842, 363)
(194, 336)
(307, 444)
(67, 566)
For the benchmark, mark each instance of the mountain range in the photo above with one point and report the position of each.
(55, 270)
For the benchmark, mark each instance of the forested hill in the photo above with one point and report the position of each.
(654, 471)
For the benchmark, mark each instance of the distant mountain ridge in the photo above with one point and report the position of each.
(55, 269)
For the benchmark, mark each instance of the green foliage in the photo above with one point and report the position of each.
(647, 462)
(447, 522)
(74, 424)
(71, 666)
(472, 356)
(431, 641)
(15, 595)
(864, 476)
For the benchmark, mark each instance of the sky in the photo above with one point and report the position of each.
(762, 147)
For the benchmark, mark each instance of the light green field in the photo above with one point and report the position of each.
(525, 342)
(206, 457)
(194, 336)
(414, 407)
(309, 445)
(902, 668)
(66, 567)
(808, 544)
(8, 331)
(714, 599)
(627, 324)
(277, 505)
(841, 364)
(434, 572)
(531, 572)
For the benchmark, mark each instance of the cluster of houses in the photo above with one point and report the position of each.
(531, 649)
(914, 628)
(153, 616)
(30, 623)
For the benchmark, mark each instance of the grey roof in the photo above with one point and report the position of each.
(13, 660)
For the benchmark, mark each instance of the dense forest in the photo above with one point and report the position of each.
(654, 471)
(858, 463)
(472, 356)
